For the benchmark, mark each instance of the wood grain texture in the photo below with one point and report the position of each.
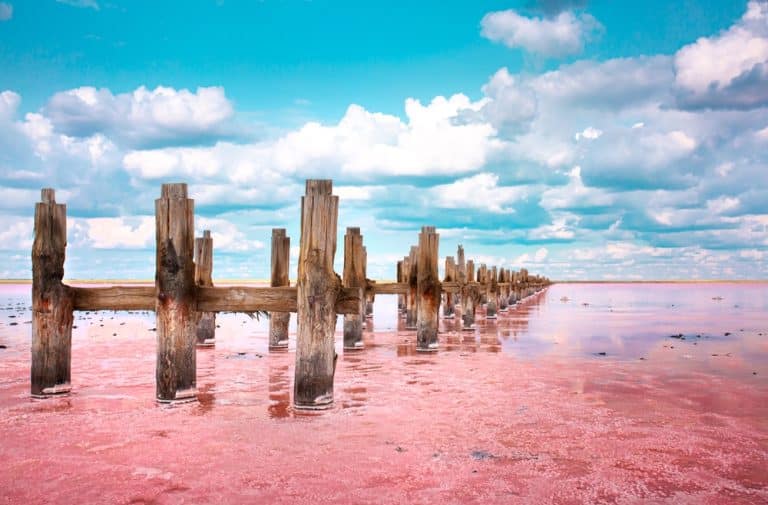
(175, 284)
(354, 277)
(428, 286)
(52, 307)
(114, 298)
(318, 288)
(279, 321)
(206, 323)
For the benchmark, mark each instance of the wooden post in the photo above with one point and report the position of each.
(450, 275)
(176, 300)
(370, 295)
(493, 292)
(406, 280)
(503, 290)
(52, 305)
(279, 321)
(206, 325)
(412, 301)
(468, 297)
(354, 277)
(318, 287)
(428, 290)
(399, 278)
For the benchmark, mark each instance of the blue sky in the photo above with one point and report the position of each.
(578, 139)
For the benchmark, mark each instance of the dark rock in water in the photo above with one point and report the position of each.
(482, 455)
(678, 336)
(727, 333)
(754, 373)
(642, 359)
(602, 353)
(3, 346)
(13, 323)
(399, 449)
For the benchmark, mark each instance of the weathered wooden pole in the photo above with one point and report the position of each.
(52, 304)
(428, 290)
(370, 295)
(412, 301)
(176, 300)
(461, 276)
(406, 280)
(318, 287)
(450, 275)
(399, 278)
(354, 277)
(493, 293)
(206, 325)
(503, 290)
(482, 278)
(468, 297)
(279, 321)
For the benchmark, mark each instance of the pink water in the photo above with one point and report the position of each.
(525, 409)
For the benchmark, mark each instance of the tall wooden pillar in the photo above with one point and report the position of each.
(370, 295)
(493, 292)
(412, 301)
(279, 321)
(468, 297)
(450, 275)
(406, 280)
(428, 290)
(51, 301)
(354, 277)
(318, 287)
(503, 290)
(175, 286)
(399, 278)
(206, 325)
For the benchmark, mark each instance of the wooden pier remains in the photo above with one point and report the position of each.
(186, 301)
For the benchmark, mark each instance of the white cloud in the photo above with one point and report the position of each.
(559, 36)
(481, 191)
(142, 116)
(540, 255)
(722, 204)
(589, 133)
(113, 232)
(362, 145)
(736, 59)
(16, 232)
(6, 11)
(226, 235)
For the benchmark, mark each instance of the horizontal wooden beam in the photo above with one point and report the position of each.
(114, 298)
(209, 299)
(389, 288)
(279, 299)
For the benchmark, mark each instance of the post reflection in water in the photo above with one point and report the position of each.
(206, 375)
(279, 390)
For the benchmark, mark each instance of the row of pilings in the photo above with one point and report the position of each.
(185, 300)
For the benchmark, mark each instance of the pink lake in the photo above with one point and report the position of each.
(579, 395)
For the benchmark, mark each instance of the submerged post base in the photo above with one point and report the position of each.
(182, 396)
(209, 342)
(53, 391)
(280, 346)
(358, 346)
(314, 406)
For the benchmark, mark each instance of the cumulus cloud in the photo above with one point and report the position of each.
(481, 191)
(161, 115)
(6, 11)
(729, 70)
(361, 145)
(561, 35)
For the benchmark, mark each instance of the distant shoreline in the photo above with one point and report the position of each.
(266, 281)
